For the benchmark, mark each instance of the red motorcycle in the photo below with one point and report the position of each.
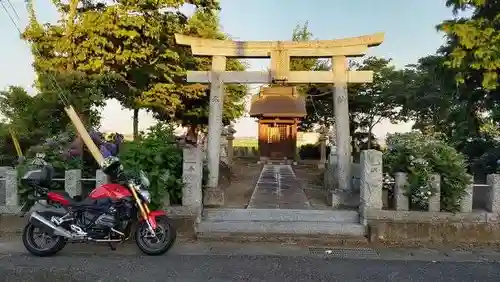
(110, 214)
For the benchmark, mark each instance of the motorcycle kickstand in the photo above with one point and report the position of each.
(111, 246)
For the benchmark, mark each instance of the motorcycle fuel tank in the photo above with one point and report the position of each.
(110, 190)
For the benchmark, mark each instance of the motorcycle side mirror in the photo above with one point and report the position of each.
(40, 156)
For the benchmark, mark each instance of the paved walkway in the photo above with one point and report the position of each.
(278, 188)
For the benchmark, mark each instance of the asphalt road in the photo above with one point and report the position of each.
(175, 267)
(223, 261)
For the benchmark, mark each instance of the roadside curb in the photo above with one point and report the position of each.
(184, 247)
(11, 224)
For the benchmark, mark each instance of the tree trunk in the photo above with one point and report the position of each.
(369, 143)
(135, 124)
(192, 134)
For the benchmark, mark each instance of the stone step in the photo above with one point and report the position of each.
(282, 215)
(266, 228)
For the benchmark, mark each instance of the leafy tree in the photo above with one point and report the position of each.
(193, 108)
(35, 118)
(475, 42)
(132, 45)
(372, 102)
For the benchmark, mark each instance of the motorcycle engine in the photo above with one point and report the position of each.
(106, 220)
(100, 223)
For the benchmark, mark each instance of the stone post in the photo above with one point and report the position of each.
(435, 199)
(341, 110)
(466, 203)
(230, 149)
(371, 182)
(11, 196)
(400, 197)
(100, 178)
(192, 174)
(223, 146)
(332, 158)
(214, 131)
(493, 196)
(4, 169)
(73, 182)
(3, 187)
(322, 141)
(9, 199)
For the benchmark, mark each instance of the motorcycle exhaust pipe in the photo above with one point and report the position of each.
(40, 221)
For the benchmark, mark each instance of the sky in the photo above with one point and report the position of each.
(409, 28)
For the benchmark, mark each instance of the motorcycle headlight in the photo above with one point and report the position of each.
(145, 195)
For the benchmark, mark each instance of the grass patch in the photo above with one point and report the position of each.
(245, 142)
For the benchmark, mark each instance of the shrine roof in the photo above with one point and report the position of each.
(278, 102)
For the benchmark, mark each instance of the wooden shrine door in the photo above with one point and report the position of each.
(279, 140)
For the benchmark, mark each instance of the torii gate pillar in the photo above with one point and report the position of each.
(279, 52)
(341, 112)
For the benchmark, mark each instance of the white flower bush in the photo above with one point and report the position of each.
(419, 156)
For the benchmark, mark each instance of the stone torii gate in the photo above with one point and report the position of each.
(279, 52)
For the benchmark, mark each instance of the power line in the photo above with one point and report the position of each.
(15, 12)
(9, 15)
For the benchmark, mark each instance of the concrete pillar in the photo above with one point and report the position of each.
(11, 193)
(192, 174)
(401, 199)
(3, 188)
(213, 195)
(435, 199)
(371, 182)
(73, 182)
(322, 142)
(223, 146)
(341, 110)
(466, 202)
(9, 199)
(493, 196)
(100, 178)
(230, 149)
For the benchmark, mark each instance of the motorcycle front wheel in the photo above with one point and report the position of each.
(163, 240)
(41, 244)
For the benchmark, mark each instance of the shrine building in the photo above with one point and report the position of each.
(279, 111)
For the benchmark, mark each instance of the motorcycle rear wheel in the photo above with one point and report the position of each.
(34, 248)
(166, 236)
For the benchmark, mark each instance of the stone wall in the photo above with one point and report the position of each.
(432, 227)
(246, 152)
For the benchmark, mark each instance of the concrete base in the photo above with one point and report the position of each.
(213, 197)
(11, 210)
(341, 200)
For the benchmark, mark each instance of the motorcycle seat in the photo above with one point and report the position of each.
(87, 202)
(92, 203)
